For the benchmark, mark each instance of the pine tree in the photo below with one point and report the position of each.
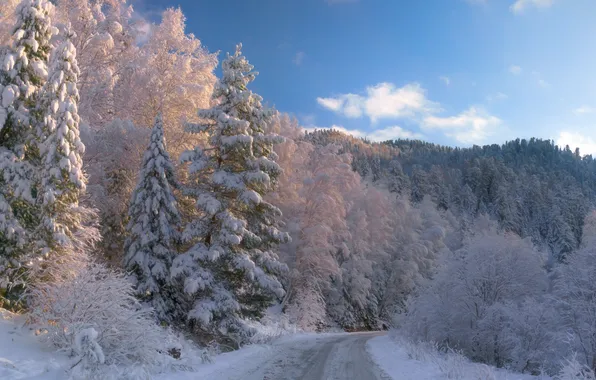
(60, 148)
(153, 235)
(22, 75)
(24, 72)
(230, 269)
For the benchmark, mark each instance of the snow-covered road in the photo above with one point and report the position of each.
(308, 357)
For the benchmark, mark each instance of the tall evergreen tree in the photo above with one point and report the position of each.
(230, 270)
(154, 219)
(60, 148)
(22, 75)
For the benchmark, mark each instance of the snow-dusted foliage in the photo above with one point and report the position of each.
(356, 253)
(575, 287)
(60, 149)
(105, 42)
(22, 75)
(573, 369)
(231, 271)
(171, 73)
(153, 227)
(113, 156)
(95, 318)
(483, 302)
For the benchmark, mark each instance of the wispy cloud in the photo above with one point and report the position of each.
(583, 110)
(542, 83)
(586, 144)
(299, 58)
(445, 79)
(471, 126)
(383, 101)
(515, 70)
(389, 133)
(522, 5)
(539, 80)
(496, 97)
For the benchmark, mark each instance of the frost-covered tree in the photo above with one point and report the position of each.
(113, 158)
(177, 64)
(575, 288)
(105, 41)
(22, 76)
(471, 302)
(62, 179)
(230, 270)
(153, 226)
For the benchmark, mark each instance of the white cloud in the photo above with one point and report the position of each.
(299, 58)
(389, 133)
(445, 80)
(499, 96)
(521, 5)
(541, 82)
(583, 110)
(383, 101)
(469, 127)
(332, 104)
(586, 144)
(393, 133)
(515, 70)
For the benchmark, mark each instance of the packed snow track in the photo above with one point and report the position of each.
(314, 357)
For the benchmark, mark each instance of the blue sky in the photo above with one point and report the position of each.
(456, 72)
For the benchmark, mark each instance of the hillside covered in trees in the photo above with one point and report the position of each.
(531, 187)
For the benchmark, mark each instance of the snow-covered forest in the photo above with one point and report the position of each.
(140, 190)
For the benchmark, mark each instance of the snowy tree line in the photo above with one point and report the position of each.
(514, 287)
(218, 208)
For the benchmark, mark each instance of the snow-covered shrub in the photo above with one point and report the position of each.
(451, 363)
(271, 327)
(572, 369)
(478, 303)
(95, 318)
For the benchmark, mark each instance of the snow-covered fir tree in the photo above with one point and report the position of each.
(22, 75)
(60, 148)
(230, 269)
(153, 227)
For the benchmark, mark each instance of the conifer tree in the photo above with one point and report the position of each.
(230, 269)
(22, 76)
(153, 227)
(61, 177)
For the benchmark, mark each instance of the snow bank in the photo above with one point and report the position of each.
(408, 361)
(21, 355)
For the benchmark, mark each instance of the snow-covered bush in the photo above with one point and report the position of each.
(479, 303)
(271, 327)
(572, 369)
(95, 318)
(451, 363)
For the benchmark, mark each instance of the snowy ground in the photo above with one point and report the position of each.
(22, 356)
(341, 356)
(408, 362)
(302, 356)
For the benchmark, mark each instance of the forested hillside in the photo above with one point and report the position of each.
(531, 187)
